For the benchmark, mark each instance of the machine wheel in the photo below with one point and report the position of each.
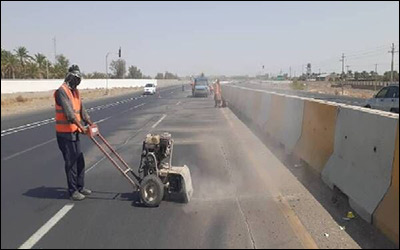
(151, 190)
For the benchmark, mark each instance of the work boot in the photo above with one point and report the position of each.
(85, 191)
(76, 196)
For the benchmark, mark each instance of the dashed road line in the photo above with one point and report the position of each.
(46, 227)
(158, 122)
(47, 142)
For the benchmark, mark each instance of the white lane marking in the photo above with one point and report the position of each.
(26, 128)
(95, 164)
(137, 106)
(46, 142)
(26, 125)
(36, 124)
(178, 103)
(27, 150)
(158, 122)
(102, 120)
(46, 227)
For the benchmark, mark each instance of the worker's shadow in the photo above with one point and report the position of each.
(43, 192)
(59, 193)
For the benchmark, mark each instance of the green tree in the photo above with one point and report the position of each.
(32, 71)
(357, 75)
(159, 76)
(42, 64)
(9, 64)
(60, 68)
(364, 75)
(169, 75)
(23, 56)
(386, 76)
(134, 73)
(118, 68)
(96, 75)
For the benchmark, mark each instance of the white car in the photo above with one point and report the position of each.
(150, 89)
(386, 99)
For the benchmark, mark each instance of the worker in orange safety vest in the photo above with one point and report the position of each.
(71, 116)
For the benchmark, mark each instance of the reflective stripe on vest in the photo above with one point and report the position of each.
(62, 123)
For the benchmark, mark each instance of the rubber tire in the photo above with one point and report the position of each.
(159, 190)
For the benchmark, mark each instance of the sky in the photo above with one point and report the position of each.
(217, 38)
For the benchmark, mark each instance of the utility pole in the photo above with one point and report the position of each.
(290, 72)
(119, 55)
(347, 68)
(376, 75)
(391, 69)
(47, 68)
(55, 49)
(342, 60)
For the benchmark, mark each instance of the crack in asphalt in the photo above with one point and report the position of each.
(229, 169)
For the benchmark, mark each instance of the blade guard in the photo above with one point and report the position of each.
(184, 172)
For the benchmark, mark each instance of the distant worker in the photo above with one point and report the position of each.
(70, 116)
(217, 94)
(211, 89)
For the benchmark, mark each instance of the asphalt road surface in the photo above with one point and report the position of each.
(244, 195)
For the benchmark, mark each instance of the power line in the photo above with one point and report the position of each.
(392, 51)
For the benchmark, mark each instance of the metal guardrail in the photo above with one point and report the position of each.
(373, 85)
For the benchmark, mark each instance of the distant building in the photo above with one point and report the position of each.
(280, 77)
(322, 77)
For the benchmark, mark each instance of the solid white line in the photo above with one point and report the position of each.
(162, 118)
(36, 124)
(46, 227)
(178, 103)
(27, 150)
(27, 125)
(26, 128)
(102, 120)
(95, 164)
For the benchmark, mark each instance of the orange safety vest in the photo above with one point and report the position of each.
(62, 124)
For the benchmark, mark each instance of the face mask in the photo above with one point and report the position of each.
(74, 82)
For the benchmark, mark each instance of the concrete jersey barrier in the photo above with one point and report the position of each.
(386, 216)
(353, 148)
(361, 164)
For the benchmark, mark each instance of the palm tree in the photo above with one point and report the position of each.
(60, 67)
(32, 71)
(40, 60)
(9, 64)
(42, 64)
(23, 56)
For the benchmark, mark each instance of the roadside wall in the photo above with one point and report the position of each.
(15, 86)
(352, 148)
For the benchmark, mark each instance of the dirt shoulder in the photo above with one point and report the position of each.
(18, 103)
(323, 88)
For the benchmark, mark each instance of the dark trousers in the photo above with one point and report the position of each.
(74, 163)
